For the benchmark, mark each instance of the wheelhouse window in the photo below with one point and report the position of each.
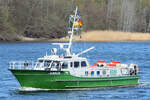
(55, 64)
(65, 65)
(71, 64)
(76, 64)
(47, 63)
(40, 61)
(83, 64)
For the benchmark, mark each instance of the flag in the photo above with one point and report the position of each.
(80, 22)
(78, 13)
(76, 24)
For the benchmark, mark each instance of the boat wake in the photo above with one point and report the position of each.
(30, 89)
(144, 84)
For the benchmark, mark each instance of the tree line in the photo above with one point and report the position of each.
(48, 18)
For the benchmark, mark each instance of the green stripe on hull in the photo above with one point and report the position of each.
(42, 79)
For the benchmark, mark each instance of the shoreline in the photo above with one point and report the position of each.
(93, 36)
(109, 36)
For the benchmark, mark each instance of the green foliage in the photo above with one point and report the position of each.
(7, 30)
(48, 18)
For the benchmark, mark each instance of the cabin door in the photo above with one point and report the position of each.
(75, 68)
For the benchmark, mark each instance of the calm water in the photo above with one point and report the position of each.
(126, 52)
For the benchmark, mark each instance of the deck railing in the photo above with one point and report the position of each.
(22, 64)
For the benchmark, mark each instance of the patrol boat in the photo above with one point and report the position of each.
(71, 71)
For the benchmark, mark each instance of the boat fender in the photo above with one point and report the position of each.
(137, 68)
(132, 72)
(101, 65)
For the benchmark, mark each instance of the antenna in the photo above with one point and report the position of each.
(75, 24)
(71, 36)
(85, 51)
(46, 53)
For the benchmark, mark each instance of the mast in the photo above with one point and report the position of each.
(71, 32)
(76, 25)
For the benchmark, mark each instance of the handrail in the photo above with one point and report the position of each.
(22, 65)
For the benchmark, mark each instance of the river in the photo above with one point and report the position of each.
(126, 52)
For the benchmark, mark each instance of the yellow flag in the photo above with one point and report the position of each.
(76, 24)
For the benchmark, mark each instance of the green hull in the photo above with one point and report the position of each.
(63, 80)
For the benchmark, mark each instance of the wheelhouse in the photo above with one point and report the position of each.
(63, 63)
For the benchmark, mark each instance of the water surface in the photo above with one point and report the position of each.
(126, 52)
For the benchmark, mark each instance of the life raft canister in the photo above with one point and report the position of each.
(116, 62)
(92, 66)
(111, 65)
(101, 61)
(95, 64)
